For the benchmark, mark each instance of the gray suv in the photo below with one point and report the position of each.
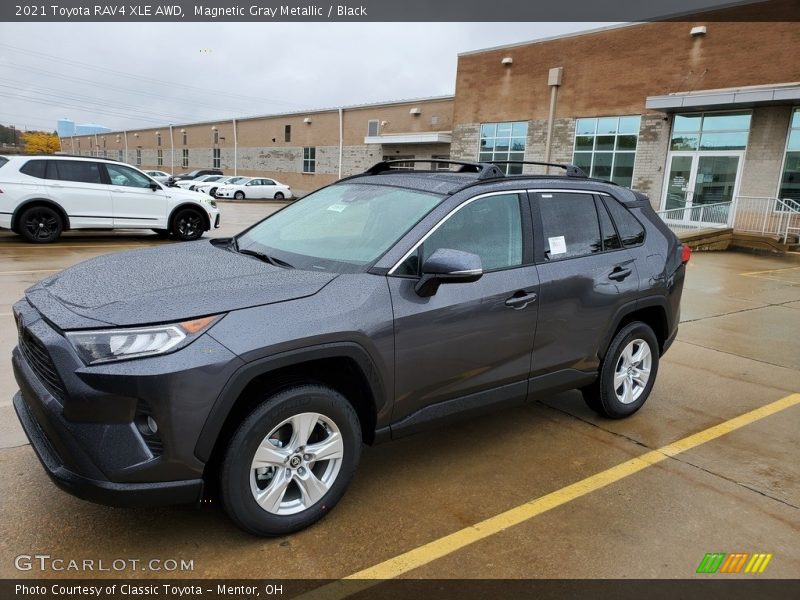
(253, 368)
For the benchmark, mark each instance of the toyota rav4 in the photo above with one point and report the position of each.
(253, 368)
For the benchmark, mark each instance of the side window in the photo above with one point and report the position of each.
(82, 171)
(607, 231)
(267, 182)
(630, 230)
(127, 177)
(569, 225)
(34, 168)
(490, 227)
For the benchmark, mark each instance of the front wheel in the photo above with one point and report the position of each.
(239, 195)
(290, 461)
(627, 374)
(187, 225)
(40, 224)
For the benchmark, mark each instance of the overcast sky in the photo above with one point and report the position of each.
(128, 75)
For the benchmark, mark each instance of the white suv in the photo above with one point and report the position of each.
(42, 196)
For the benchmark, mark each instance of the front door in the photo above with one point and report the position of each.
(700, 186)
(136, 203)
(468, 338)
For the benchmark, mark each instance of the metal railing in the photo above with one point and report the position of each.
(763, 215)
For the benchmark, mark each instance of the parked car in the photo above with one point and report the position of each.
(191, 184)
(368, 310)
(46, 195)
(159, 176)
(255, 188)
(193, 175)
(211, 188)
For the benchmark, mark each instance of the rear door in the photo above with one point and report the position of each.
(586, 277)
(136, 203)
(79, 187)
(468, 338)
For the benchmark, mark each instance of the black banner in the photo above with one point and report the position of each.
(395, 10)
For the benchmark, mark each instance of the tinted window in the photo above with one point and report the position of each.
(78, 170)
(490, 227)
(569, 224)
(609, 234)
(125, 176)
(34, 168)
(630, 230)
(3, 160)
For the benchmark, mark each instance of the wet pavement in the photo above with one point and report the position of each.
(738, 349)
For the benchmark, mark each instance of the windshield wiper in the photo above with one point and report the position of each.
(266, 258)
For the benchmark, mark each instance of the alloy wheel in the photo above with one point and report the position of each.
(41, 224)
(632, 371)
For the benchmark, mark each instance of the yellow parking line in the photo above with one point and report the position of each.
(448, 544)
(751, 273)
(30, 272)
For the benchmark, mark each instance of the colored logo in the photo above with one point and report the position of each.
(738, 562)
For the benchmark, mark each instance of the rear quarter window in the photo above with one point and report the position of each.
(630, 230)
(3, 160)
(34, 168)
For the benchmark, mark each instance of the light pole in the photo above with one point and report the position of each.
(171, 151)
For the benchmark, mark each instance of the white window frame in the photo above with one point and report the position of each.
(789, 129)
(216, 158)
(160, 157)
(185, 157)
(307, 161)
(139, 157)
(504, 168)
(377, 127)
(613, 152)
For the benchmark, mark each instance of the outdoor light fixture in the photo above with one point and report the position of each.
(698, 31)
(507, 61)
(415, 111)
(183, 131)
(307, 121)
(213, 128)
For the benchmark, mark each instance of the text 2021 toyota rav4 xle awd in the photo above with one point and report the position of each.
(368, 310)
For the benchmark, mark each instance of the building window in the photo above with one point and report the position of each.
(710, 131)
(185, 157)
(373, 128)
(504, 141)
(215, 158)
(790, 179)
(401, 166)
(104, 142)
(158, 139)
(441, 166)
(138, 156)
(105, 153)
(119, 155)
(160, 157)
(216, 137)
(605, 147)
(287, 133)
(185, 137)
(309, 160)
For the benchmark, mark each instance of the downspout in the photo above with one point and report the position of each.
(125, 135)
(341, 140)
(554, 81)
(235, 149)
(171, 151)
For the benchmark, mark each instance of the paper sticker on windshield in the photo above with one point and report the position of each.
(558, 245)
(337, 207)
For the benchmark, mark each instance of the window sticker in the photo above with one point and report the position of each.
(558, 245)
(337, 207)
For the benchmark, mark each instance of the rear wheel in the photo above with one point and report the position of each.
(279, 196)
(40, 224)
(627, 374)
(239, 195)
(290, 461)
(187, 224)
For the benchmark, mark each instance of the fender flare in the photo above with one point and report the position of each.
(246, 373)
(629, 308)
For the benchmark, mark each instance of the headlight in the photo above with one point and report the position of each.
(106, 345)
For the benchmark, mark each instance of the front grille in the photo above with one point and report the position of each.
(39, 360)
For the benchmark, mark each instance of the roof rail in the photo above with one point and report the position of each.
(484, 170)
(571, 170)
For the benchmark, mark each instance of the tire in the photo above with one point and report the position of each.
(162, 233)
(279, 196)
(212, 192)
(619, 390)
(239, 195)
(288, 505)
(40, 224)
(187, 225)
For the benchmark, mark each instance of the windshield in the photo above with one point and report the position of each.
(339, 228)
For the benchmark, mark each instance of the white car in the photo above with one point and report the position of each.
(43, 196)
(191, 184)
(255, 188)
(159, 176)
(211, 188)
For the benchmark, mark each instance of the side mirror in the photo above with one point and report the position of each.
(154, 186)
(448, 266)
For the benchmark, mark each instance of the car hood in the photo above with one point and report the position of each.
(164, 284)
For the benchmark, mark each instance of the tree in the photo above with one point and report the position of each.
(40, 142)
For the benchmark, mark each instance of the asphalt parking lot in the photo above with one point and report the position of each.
(548, 490)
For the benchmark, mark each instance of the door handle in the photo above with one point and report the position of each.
(619, 273)
(521, 299)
